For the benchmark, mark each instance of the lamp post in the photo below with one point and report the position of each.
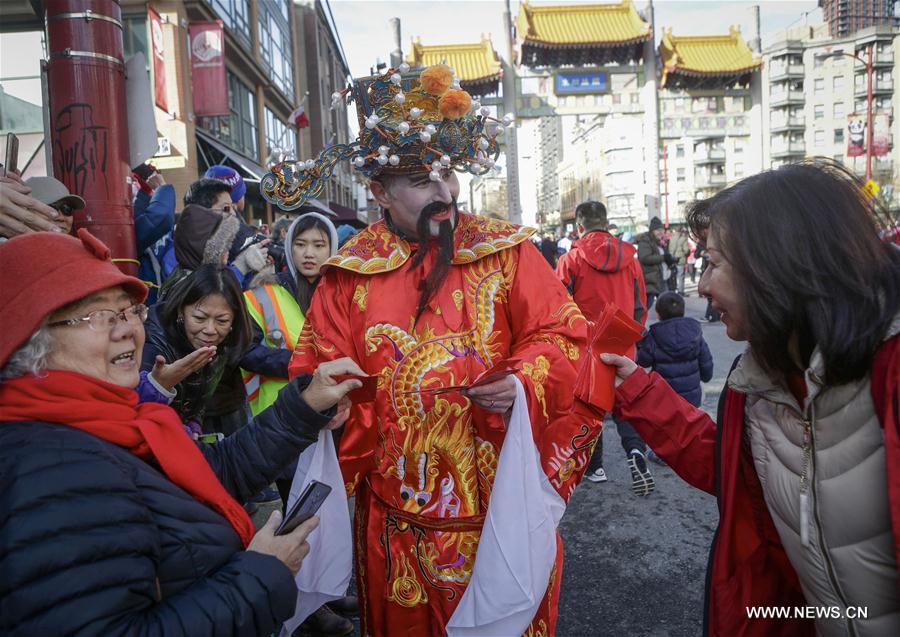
(869, 68)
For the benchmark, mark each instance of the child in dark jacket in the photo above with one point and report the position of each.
(674, 348)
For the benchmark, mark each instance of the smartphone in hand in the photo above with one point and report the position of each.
(305, 507)
(11, 161)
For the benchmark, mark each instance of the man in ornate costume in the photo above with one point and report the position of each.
(428, 298)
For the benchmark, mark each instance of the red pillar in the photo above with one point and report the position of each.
(88, 121)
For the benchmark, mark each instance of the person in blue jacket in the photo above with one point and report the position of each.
(675, 349)
(154, 219)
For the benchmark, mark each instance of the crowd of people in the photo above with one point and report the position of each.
(136, 431)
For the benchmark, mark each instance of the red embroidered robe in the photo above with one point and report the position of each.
(422, 466)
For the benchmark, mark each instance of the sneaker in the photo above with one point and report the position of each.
(642, 482)
(598, 475)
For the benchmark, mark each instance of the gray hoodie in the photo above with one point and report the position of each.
(289, 239)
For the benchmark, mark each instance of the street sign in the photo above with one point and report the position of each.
(167, 163)
(580, 82)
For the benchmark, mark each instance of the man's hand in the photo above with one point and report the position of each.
(290, 548)
(169, 375)
(21, 213)
(323, 392)
(155, 180)
(497, 397)
(625, 367)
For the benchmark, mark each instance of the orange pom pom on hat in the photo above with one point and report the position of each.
(44, 271)
(454, 104)
(436, 79)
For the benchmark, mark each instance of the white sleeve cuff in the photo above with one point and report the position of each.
(170, 395)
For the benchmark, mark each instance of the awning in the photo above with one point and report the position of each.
(346, 215)
(213, 152)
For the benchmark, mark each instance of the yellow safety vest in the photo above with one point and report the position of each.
(279, 317)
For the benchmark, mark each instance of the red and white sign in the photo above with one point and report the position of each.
(881, 134)
(210, 88)
(856, 138)
(159, 59)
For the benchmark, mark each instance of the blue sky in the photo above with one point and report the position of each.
(365, 34)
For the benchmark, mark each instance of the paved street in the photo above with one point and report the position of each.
(636, 566)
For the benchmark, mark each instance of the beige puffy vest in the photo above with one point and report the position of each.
(822, 470)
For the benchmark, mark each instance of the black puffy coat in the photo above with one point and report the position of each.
(96, 541)
(651, 260)
(675, 350)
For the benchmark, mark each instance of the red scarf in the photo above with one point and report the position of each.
(112, 412)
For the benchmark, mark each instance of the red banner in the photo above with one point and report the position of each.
(208, 68)
(881, 134)
(159, 59)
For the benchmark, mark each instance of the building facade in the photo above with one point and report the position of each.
(816, 96)
(266, 48)
(846, 17)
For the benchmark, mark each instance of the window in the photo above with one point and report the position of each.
(738, 169)
(819, 111)
(279, 136)
(838, 135)
(239, 129)
(635, 98)
(838, 110)
(819, 138)
(134, 36)
(679, 175)
(819, 86)
(818, 62)
(681, 197)
(838, 82)
(679, 150)
(236, 16)
(275, 44)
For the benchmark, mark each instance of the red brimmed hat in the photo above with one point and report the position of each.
(43, 271)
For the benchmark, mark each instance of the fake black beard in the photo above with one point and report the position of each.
(435, 278)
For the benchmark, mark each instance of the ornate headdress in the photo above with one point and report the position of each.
(410, 121)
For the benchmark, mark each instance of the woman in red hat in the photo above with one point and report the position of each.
(114, 521)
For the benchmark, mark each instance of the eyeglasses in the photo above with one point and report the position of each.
(64, 209)
(105, 320)
(227, 209)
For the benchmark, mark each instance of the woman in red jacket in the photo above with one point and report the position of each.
(805, 457)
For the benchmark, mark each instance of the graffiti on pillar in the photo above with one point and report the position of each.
(81, 150)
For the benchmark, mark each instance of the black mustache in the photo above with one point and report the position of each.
(435, 207)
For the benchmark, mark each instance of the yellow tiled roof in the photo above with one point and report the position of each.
(609, 23)
(472, 62)
(706, 54)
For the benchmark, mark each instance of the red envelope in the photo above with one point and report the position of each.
(613, 333)
(364, 394)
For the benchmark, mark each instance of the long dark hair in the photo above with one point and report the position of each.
(305, 289)
(205, 280)
(803, 242)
